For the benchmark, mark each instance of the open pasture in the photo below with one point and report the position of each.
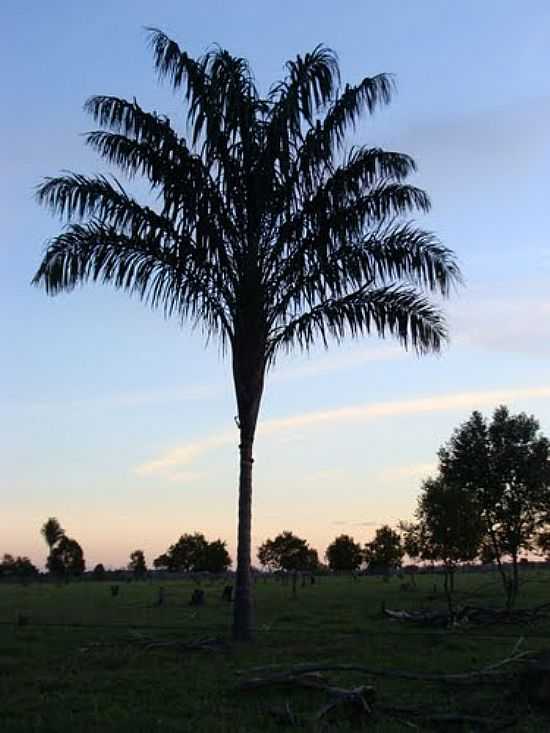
(81, 663)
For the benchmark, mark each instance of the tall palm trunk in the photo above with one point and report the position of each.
(243, 620)
(248, 372)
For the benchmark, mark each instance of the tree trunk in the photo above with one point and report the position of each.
(248, 373)
(242, 611)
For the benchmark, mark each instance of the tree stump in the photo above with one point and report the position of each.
(197, 599)
(227, 593)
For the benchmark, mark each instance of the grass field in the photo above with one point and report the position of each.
(74, 666)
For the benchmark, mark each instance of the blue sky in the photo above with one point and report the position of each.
(121, 423)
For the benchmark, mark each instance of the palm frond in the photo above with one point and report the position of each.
(140, 265)
(399, 312)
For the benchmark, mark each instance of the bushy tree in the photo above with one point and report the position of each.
(19, 567)
(287, 552)
(193, 552)
(449, 527)
(215, 558)
(504, 464)
(266, 230)
(137, 564)
(66, 559)
(385, 552)
(344, 554)
(99, 572)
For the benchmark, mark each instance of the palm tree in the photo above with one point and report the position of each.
(52, 532)
(266, 231)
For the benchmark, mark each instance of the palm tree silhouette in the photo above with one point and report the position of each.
(52, 532)
(267, 232)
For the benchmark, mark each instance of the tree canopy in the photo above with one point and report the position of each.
(194, 553)
(137, 563)
(385, 552)
(344, 554)
(504, 464)
(287, 552)
(66, 558)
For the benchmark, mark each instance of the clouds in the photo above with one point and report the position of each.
(519, 325)
(188, 453)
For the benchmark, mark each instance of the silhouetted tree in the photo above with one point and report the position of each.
(193, 552)
(344, 554)
(266, 232)
(99, 572)
(449, 527)
(215, 558)
(52, 532)
(287, 552)
(384, 553)
(19, 567)
(137, 564)
(66, 559)
(505, 466)
(163, 562)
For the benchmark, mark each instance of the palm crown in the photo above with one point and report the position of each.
(267, 231)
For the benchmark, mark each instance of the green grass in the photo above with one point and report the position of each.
(71, 669)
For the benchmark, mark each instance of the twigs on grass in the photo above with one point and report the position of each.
(145, 644)
(360, 702)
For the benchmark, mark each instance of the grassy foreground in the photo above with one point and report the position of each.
(71, 668)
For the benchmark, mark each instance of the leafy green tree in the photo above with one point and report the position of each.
(266, 232)
(52, 532)
(449, 527)
(385, 552)
(504, 464)
(287, 552)
(137, 564)
(344, 554)
(215, 558)
(66, 559)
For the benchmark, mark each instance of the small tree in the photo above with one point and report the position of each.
(449, 528)
(186, 554)
(66, 559)
(137, 564)
(505, 465)
(385, 552)
(215, 558)
(344, 554)
(99, 572)
(287, 552)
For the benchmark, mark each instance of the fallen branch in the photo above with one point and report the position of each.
(490, 673)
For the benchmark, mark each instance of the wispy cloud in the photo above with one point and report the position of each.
(339, 361)
(412, 471)
(131, 399)
(514, 325)
(187, 453)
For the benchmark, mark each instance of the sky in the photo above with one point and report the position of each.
(120, 423)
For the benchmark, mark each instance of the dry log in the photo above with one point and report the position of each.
(487, 674)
